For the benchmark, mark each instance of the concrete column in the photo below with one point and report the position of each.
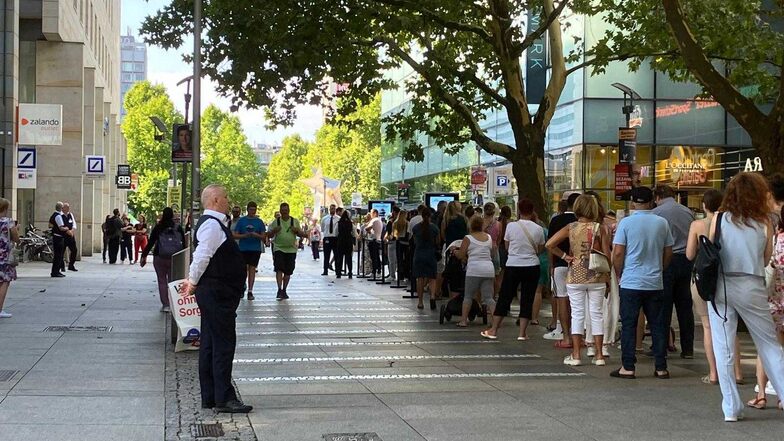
(60, 80)
(10, 54)
(87, 216)
(99, 212)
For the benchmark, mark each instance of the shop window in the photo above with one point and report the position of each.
(693, 170)
(600, 86)
(600, 161)
(563, 169)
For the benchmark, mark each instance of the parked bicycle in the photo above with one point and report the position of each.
(36, 245)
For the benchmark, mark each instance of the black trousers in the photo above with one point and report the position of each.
(114, 247)
(314, 247)
(342, 256)
(515, 276)
(59, 250)
(374, 248)
(218, 307)
(126, 249)
(330, 244)
(70, 244)
(677, 293)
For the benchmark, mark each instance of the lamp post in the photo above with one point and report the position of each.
(627, 140)
(196, 136)
(629, 93)
(183, 199)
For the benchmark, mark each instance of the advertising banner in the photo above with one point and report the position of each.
(187, 316)
(627, 145)
(181, 143)
(123, 178)
(40, 124)
(173, 197)
(623, 181)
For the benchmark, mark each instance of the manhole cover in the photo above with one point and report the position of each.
(78, 329)
(7, 375)
(207, 430)
(370, 436)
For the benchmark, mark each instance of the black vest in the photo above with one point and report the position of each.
(55, 228)
(226, 267)
(68, 221)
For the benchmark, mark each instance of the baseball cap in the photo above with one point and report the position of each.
(641, 195)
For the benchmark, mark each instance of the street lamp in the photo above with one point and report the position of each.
(627, 109)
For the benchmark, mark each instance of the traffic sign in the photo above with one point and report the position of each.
(95, 165)
(26, 158)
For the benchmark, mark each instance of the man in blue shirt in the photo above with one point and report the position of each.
(642, 249)
(250, 230)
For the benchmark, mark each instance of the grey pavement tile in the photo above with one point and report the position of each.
(78, 432)
(426, 385)
(85, 410)
(248, 389)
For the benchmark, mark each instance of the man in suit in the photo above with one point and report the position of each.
(329, 235)
(58, 239)
(69, 238)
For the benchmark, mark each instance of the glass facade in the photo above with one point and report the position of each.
(683, 140)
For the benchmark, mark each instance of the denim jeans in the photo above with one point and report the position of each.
(677, 292)
(651, 303)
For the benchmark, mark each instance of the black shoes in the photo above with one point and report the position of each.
(324, 273)
(250, 296)
(58, 275)
(687, 355)
(282, 295)
(233, 406)
(350, 276)
(207, 404)
(71, 268)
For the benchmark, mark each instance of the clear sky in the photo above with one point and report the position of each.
(167, 68)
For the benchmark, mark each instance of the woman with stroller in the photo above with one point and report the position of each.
(479, 252)
(524, 240)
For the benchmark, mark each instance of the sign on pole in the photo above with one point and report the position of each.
(623, 181)
(627, 145)
(402, 192)
(503, 180)
(26, 158)
(40, 124)
(478, 177)
(95, 166)
(173, 196)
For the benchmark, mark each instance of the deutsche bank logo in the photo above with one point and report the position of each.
(501, 181)
(95, 165)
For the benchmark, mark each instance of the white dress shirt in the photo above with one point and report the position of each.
(376, 227)
(325, 225)
(210, 236)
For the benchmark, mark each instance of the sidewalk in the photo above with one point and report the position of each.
(82, 385)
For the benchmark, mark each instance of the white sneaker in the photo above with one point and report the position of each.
(571, 361)
(4, 314)
(591, 351)
(165, 309)
(768, 387)
(553, 335)
(599, 362)
(605, 351)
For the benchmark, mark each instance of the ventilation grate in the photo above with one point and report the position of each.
(207, 430)
(78, 329)
(369, 436)
(7, 375)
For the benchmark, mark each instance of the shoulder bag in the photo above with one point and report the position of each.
(598, 261)
(707, 266)
(13, 260)
(528, 235)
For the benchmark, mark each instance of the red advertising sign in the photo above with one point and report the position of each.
(623, 181)
(478, 175)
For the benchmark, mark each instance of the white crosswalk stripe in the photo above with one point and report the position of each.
(364, 343)
(383, 358)
(407, 377)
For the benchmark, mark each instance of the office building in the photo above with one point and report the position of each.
(133, 65)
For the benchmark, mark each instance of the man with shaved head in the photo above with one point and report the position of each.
(217, 275)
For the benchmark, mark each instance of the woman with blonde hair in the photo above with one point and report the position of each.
(586, 287)
(8, 234)
(745, 235)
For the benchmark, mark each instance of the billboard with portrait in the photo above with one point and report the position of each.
(384, 208)
(181, 143)
(432, 199)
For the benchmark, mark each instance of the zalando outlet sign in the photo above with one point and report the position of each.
(40, 124)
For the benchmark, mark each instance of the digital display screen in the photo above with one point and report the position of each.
(432, 199)
(384, 208)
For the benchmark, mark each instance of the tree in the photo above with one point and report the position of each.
(465, 53)
(227, 157)
(282, 182)
(349, 149)
(148, 158)
(733, 48)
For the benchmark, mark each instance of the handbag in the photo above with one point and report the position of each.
(598, 261)
(13, 260)
(707, 266)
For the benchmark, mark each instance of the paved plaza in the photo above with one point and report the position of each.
(339, 357)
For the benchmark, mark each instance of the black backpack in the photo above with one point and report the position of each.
(707, 266)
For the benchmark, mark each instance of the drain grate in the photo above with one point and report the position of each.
(7, 375)
(77, 329)
(206, 430)
(369, 436)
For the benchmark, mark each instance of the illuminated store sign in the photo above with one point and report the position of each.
(684, 108)
(688, 166)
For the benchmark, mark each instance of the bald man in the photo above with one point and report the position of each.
(217, 276)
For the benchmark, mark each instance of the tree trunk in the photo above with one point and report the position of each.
(769, 146)
(528, 170)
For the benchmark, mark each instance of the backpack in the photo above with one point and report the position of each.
(169, 242)
(707, 266)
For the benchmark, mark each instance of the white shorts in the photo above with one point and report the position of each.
(559, 282)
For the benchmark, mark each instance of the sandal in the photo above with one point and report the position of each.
(758, 403)
(462, 325)
(617, 374)
(522, 338)
(561, 345)
(488, 336)
(534, 323)
(706, 379)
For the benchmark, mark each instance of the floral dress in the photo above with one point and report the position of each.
(7, 272)
(776, 299)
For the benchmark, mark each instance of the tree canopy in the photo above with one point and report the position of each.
(465, 55)
(282, 183)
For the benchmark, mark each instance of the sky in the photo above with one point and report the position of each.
(167, 68)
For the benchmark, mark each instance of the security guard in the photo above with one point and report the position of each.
(217, 275)
(58, 239)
